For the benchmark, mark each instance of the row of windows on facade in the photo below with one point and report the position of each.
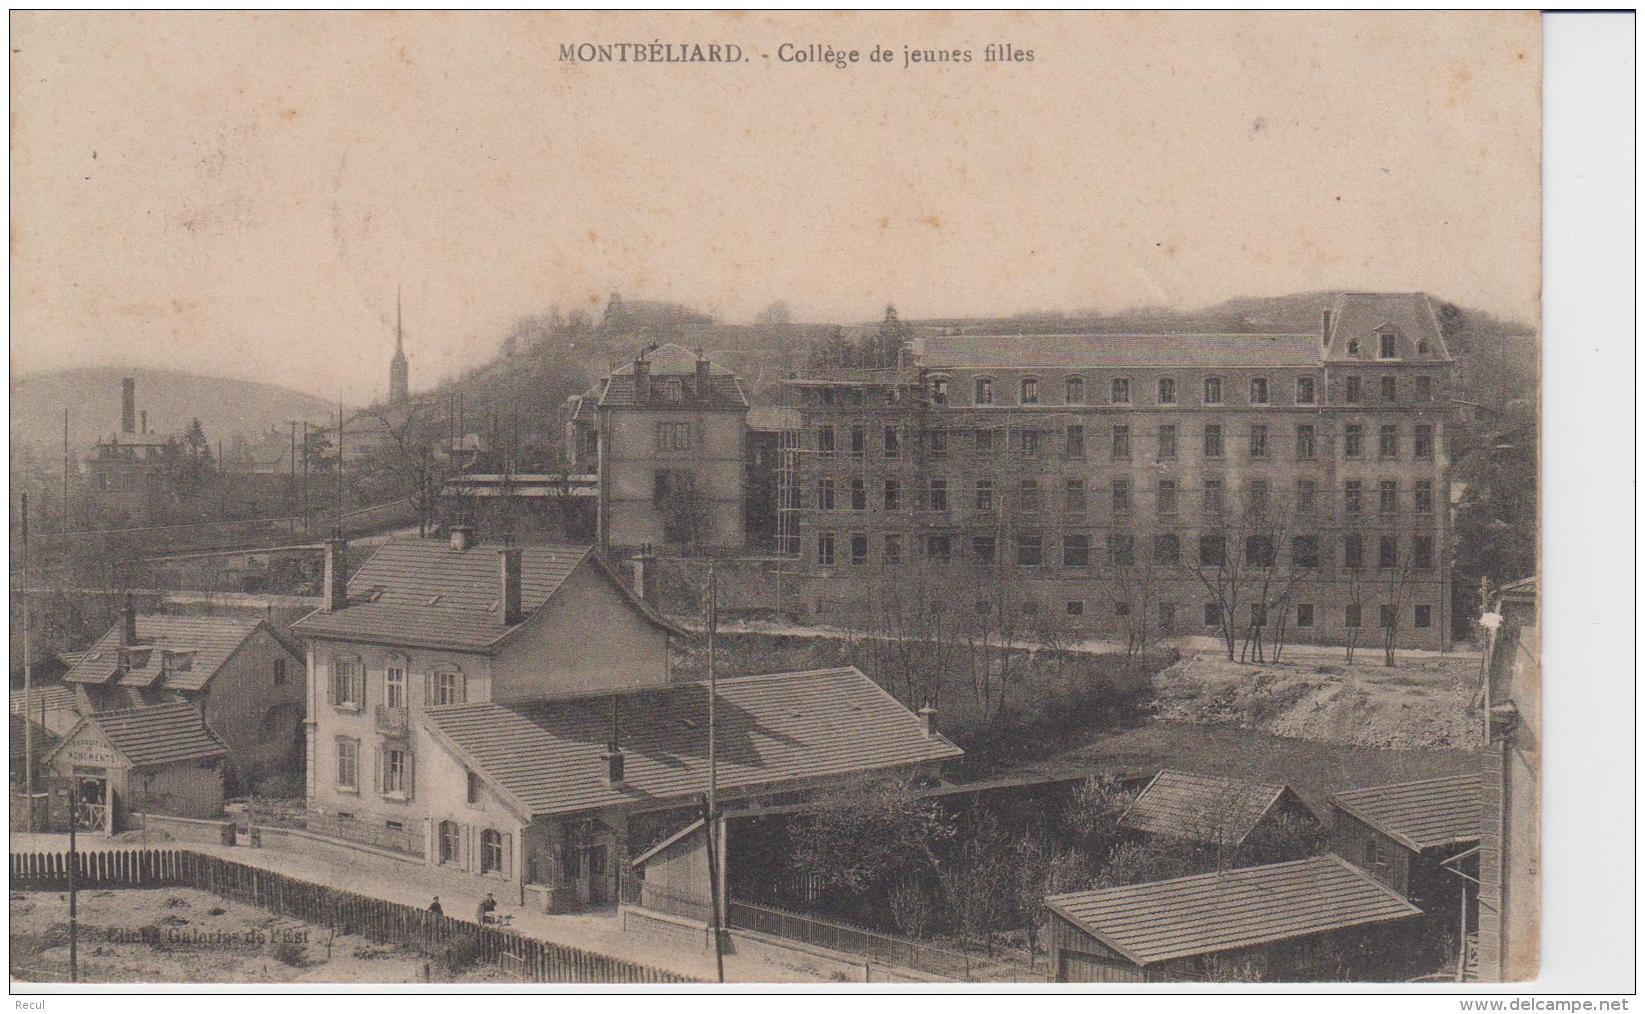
(1034, 549)
(446, 684)
(396, 780)
(1031, 443)
(988, 495)
(1304, 613)
(1261, 391)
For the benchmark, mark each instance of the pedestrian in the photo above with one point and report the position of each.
(488, 906)
(434, 906)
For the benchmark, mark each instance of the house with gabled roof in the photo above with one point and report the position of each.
(244, 677)
(423, 623)
(1290, 921)
(1209, 809)
(161, 758)
(508, 710)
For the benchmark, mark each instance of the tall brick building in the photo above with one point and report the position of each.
(1163, 484)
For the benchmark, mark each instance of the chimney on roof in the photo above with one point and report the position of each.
(336, 577)
(509, 570)
(928, 721)
(1324, 328)
(642, 378)
(128, 405)
(128, 623)
(613, 765)
(462, 536)
(702, 375)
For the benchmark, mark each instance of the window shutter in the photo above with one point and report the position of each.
(411, 774)
(462, 688)
(379, 769)
(358, 676)
(428, 688)
(508, 857)
(331, 683)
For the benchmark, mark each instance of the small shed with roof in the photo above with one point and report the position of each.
(1402, 833)
(1299, 920)
(1210, 809)
(157, 759)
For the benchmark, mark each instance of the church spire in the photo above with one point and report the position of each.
(398, 371)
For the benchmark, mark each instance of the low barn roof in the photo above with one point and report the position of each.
(159, 734)
(548, 757)
(1095, 351)
(1205, 808)
(422, 593)
(1213, 912)
(1420, 815)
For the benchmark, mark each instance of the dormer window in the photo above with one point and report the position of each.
(1422, 347)
(1353, 347)
(985, 391)
(1030, 391)
(1386, 347)
(674, 389)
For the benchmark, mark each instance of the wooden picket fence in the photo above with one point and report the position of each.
(373, 918)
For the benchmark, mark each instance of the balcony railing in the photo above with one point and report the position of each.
(391, 721)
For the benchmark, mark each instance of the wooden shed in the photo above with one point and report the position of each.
(1210, 809)
(161, 759)
(1290, 921)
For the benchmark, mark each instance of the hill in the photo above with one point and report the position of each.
(223, 405)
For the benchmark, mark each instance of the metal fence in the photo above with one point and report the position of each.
(871, 945)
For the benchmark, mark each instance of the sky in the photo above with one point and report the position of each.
(245, 194)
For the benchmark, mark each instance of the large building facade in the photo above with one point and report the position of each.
(1140, 485)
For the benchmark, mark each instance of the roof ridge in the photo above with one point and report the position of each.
(1464, 776)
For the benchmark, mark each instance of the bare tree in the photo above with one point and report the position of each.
(397, 464)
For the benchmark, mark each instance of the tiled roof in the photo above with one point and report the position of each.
(209, 640)
(1094, 351)
(422, 593)
(159, 734)
(1420, 815)
(673, 360)
(1203, 808)
(1212, 912)
(547, 757)
(55, 698)
(1359, 315)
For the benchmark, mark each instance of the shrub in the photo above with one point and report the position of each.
(289, 952)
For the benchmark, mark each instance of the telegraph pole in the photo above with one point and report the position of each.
(711, 821)
(74, 887)
(28, 672)
(66, 474)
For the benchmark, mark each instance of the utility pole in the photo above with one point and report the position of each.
(291, 488)
(74, 887)
(65, 474)
(339, 465)
(712, 818)
(28, 672)
(303, 508)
